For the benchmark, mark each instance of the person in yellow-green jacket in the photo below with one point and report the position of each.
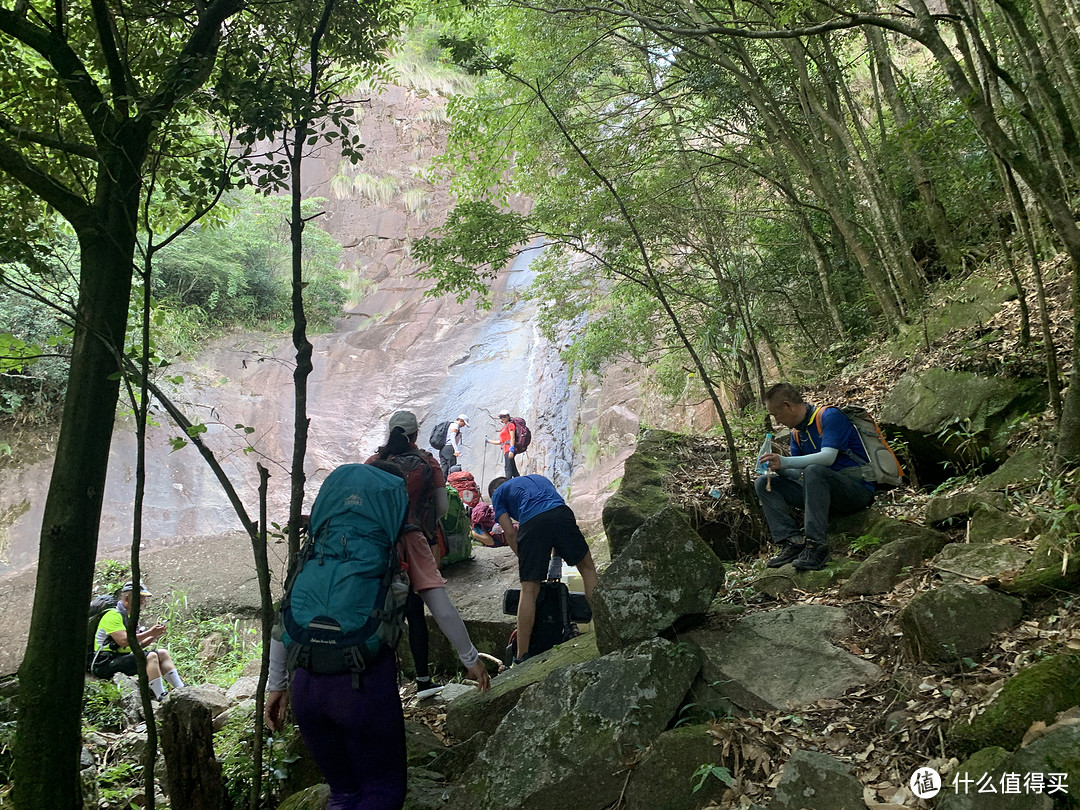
(112, 648)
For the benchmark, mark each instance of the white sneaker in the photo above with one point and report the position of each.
(427, 688)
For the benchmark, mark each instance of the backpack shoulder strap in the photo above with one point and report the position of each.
(815, 419)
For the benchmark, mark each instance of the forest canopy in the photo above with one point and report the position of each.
(778, 180)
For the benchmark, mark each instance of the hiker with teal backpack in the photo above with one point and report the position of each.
(428, 503)
(834, 468)
(338, 624)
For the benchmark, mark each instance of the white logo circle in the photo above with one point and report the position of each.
(925, 783)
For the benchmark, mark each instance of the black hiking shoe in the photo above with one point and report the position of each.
(789, 552)
(814, 557)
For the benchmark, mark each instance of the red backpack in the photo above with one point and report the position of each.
(418, 481)
(466, 486)
(522, 435)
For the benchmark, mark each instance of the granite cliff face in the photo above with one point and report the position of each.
(393, 348)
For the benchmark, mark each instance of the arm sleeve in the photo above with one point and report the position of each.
(455, 439)
(825, 457)
(278, 679)
(449, 621)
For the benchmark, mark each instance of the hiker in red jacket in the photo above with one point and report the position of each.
(507, 437)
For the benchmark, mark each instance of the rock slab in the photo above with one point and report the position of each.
(782, 658)
(813, 779)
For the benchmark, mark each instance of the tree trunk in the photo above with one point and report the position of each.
(303, 347)
(936, 217)
(1023, 224)
(783, 143)
(187, 739)
(50, 694)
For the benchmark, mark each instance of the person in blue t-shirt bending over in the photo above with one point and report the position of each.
(823, 475)
(545, 523)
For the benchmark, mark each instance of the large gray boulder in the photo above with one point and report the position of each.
(665, 573)
(989, 524)
(780, 659)
(568, 738)
(812, 779)
(905, 545)
(641, 490)
(948, 623)
(665, 777)
(967, 562)
(475, 712)
(1022, 470)
(956, 416)
(957, 507)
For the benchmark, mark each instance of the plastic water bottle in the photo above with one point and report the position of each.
(766, 447)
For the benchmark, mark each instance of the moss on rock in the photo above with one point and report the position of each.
(954, 621)
(665, 778)
(1043, 575)
(1036, 693)
(478, 712)
(641, 492)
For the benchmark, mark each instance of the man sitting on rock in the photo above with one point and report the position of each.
(113, 651)
(822, 475)
(544, 523)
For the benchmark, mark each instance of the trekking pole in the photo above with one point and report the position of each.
(483, 467)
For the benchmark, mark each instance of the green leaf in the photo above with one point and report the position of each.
(718, 771)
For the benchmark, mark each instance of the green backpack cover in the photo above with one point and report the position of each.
(455, 525)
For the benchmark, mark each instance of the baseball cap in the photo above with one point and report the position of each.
(504, 413)
(130, 586)
(463, 418)
(406, 420)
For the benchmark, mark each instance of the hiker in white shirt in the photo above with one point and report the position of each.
(451, 451)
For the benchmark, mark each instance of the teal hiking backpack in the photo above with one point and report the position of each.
(345, 595)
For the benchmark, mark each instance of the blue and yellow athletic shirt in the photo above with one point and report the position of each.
(826, 426)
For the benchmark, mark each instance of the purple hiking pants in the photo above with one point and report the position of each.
(357, 736)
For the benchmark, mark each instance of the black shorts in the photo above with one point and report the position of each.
(109, 664)
(555, 530)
